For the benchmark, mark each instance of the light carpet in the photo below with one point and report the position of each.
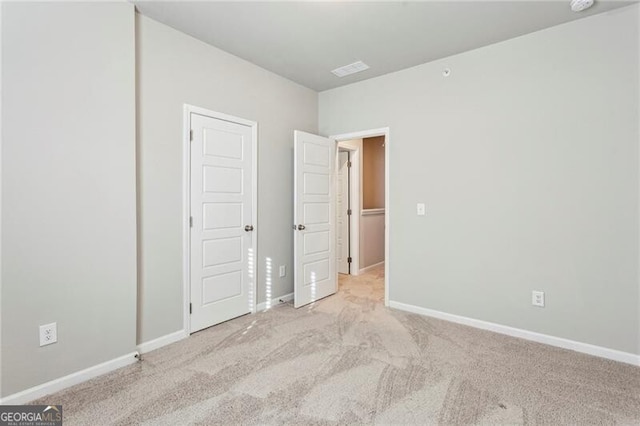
(349, 360)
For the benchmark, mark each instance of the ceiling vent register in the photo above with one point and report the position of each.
(350, 69)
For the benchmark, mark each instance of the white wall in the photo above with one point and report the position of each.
(68, 187)
(174, 69)
(527, 160)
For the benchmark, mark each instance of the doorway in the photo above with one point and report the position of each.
(371, 244)
(360, 205)
(315, 217)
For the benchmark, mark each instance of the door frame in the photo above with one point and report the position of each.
(350, 154)
(186, 203)
(383, 131)
(355, 203)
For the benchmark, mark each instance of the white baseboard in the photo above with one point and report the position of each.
(168, 339)
(67, 381)
(560, 342)
(370, 267)
(276, 301)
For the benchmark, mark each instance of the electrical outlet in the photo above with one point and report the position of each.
(48, 334)
(537, 298)
(283, 270)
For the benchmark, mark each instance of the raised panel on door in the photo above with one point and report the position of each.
(222, 180)
(221, 274)
(222, 251)
(315, 242)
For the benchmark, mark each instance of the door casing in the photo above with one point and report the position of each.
(186, 202)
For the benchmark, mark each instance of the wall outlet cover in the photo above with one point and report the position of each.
(537, 298)
(48, 334)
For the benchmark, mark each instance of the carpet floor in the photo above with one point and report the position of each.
(349, 360)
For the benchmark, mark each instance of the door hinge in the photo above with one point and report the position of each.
(190, 135)
(348, 163)
(349, 259)
(190, 221)
(190, 308)
(348, 212)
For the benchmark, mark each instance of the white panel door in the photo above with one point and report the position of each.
(222, 241)
(342, 206)
(314, 217)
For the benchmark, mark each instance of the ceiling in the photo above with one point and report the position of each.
(303, 41)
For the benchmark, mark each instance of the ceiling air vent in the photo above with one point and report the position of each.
(350, 69)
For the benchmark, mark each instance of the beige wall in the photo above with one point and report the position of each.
(373, 172)
(68, 188)
(371, 239)
(174, 69)
(527, 159)
(372, 223)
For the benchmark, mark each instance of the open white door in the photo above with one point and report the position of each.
(314, 217)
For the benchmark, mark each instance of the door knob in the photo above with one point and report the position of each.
(248, 228)
(301, 227)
